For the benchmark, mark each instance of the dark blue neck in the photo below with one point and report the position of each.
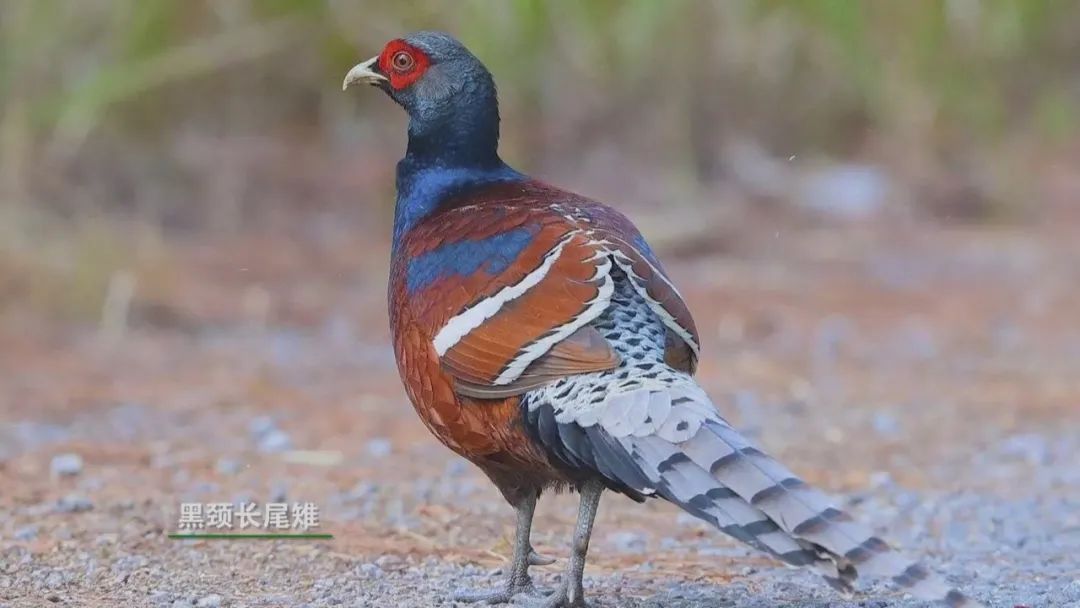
(453, 146)
(457, 137)
(422, 187)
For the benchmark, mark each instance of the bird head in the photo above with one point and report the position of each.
(427, 73)
(449, 95)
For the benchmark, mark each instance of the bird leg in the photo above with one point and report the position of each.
(517, 580)
(570, 593)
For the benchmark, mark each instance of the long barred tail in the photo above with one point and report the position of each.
(718, 476)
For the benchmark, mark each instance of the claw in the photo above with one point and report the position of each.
(555, 599)
(521, 591)
(535, 559)
(499, 596)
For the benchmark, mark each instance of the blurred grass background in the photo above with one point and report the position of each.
(127, 126)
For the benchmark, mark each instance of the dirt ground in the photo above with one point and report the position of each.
(928, 375)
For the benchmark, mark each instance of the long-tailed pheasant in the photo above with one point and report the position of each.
(538, 336)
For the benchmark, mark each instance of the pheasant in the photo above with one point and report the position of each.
(539, 337)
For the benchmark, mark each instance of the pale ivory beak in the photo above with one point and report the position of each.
(364, 73)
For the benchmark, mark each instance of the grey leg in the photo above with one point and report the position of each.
(570, 593)
(517, 580)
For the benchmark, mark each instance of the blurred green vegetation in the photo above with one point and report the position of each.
(202, 113)
(799, 74)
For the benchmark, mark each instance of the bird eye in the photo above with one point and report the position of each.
(402, 61)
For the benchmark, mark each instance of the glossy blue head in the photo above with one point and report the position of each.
(453, 119)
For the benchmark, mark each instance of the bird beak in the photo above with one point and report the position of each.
(364, 72)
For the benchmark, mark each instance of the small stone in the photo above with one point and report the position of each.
(371, 570)
(627, 541)
(880, 479)
(685, 519)
(262, 426)
(275, 441)
(1031, 447)
(363, 489)
(210, 601)
(73, 503)
(228, 466)
(26, 532)
(66, 465)
(380, 447)
(389, 562)
(886, 425)
(456, 467)
(54, 579)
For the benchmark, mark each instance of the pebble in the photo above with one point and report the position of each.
(456, 467)
(26, 532)
(1031, 447)
(371, 570)
(210, 601)
(73, 503)
(55, 579)
(129, 563)
(32, 434)
(631, 542)
(389, 562)
(275, 441)
(261, 425)
(380, 447)
(364, 490)
(886, 425)
(881, 479)
(228, 466)
(685, 519)
(66, 465)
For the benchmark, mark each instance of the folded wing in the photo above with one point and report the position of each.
(511, 295)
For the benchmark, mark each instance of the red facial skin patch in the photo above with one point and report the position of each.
(400, 79)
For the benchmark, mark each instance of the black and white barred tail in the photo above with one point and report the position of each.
(716, 475)
(650, 430)
(720, 477)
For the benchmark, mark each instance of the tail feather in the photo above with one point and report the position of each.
(716, 474)
(808, 515)
(680, 481)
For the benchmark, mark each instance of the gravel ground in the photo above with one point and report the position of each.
(934, 386)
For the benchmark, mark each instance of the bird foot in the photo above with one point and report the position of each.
(559, 599)
(501, 595)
